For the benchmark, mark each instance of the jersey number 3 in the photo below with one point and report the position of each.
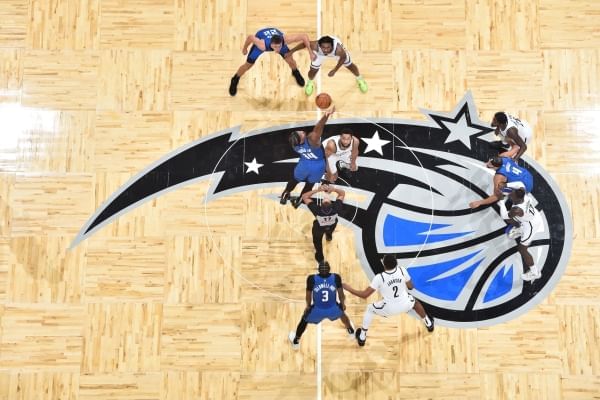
(325, 297)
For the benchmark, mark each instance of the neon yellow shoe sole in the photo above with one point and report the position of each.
(362, 85)
(309, 88)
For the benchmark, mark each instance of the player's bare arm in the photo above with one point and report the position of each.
(354, 154)
(301, 37)
(342, 298)
(409, 285)
(342, 57)
(513, 134)
(365, 293)
(514, 149)
(314, 137)
(308, 300)
(499, 182)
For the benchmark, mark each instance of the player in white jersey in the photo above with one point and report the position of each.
(393, 285)
(524, 222)
(514, 132)
(329, 46)
(341, 152)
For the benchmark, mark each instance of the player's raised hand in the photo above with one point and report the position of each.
(329, 112)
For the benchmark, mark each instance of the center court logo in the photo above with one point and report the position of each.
(417, 179)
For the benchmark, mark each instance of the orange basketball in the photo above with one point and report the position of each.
(323, 101)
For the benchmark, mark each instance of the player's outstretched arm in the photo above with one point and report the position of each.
(307, 197)
(301, 37)
(314, 137)
(359, 293)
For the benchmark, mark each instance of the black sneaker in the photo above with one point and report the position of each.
(328, 236)
(299, 78)
(431, 327)
(296, 201)
(358, 339)
(233, 85)
(284, 198)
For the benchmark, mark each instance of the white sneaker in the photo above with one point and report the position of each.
(291, 337)
(533, 274)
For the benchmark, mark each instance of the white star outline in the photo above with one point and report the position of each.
(253, 166)
(461, 127)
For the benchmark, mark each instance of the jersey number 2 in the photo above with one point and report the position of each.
(395, 288)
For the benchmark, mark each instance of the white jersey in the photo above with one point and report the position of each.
(340, 153)
(530, 213)
(392, 285)
(522, 127)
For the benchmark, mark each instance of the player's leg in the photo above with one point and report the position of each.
(317, 237)
(253, 55)
(285, 195)
(373, 309)
(310, 316)
(332, 172)
(329, 232)
(347, 324)
(314, 69)
(360, 81)
(528, 230)
(307, 188)
(420, 310)
(292, 63)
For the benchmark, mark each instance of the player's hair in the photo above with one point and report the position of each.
(389, 261)
(276, 39)
(326, 39)
(496, 161)
(520, 193)
(324, 267)
(294, 138)
(346, 131)
(501, 117)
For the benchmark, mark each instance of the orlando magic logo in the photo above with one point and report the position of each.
(418, 178)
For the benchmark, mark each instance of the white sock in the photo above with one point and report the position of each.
(363, 334)
(368, 317)
(427, 321)
(358, 78)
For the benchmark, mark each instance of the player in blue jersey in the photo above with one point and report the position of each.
(509, 176)
(270, 39)
(322, 293)
(311, 166)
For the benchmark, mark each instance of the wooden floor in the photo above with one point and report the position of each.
(163, 303)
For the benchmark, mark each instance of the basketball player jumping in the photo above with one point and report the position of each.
(329, 46)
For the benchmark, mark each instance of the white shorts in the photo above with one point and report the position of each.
(387, 309)
(333, 159)
(317, 63)
(528, 231)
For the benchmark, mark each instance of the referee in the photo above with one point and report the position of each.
(326, 216)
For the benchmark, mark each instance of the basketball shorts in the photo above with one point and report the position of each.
(319, 61)
(309, 171)
(387, 309)
(334, 158)
(318, 314)
(255, 52)
(529, 230)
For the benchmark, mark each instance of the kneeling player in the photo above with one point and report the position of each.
(341, 152)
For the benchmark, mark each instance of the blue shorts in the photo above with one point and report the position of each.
(317, 314)
(255, 52)
(309, 171)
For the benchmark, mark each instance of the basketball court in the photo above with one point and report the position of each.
(143, 250)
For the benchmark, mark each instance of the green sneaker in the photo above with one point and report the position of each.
(309, 88)
(362, 85)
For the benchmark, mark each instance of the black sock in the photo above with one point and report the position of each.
(300, 329)
(291, 185)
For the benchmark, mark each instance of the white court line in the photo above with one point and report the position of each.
(319, 329)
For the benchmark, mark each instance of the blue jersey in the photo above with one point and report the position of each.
(266, 34)
(514, 173)
(308, 153)
(324, 291)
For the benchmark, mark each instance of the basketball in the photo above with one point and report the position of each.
(323, 101)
